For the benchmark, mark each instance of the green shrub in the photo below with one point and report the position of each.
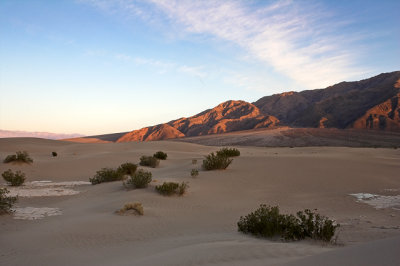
(167, 188)
(6, 202)
(170, 188)
(213, 162)
(266, 221)
(160, 155)
(54, 154)
(228, 152)
(149, 161)
(194, 172)
(140, 179)
(20, 156)
(127, 168)
(136, 207)
(16, 179)
(106, 175)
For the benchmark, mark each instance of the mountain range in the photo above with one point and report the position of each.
(372, 103)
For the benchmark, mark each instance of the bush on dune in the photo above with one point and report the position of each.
(170, 188)
(160, 155)
(149, 161)
(106, 175)
(6, 202)
(228, 152)
(194, 173)
(127, 168)
(14, 179)
(214, 162)
(267, 221)
(20, 156)
(140, 179)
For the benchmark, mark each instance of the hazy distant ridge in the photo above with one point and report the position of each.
(43, 135)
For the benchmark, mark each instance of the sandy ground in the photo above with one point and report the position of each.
(200, 227)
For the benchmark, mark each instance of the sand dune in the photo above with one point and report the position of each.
(200, 227)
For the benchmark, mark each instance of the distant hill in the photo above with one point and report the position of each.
(367, 104)
(43, 135)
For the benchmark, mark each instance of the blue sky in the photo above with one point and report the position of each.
(94, 66)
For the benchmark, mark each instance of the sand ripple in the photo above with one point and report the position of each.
(32, 213)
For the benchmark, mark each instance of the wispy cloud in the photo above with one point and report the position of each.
(298, 40)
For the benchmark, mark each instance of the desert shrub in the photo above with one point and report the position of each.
(267, 221)
(6, 202)
(213, 162)
(170, 188)
(54, 154)
(127, 168)
(160, 155)
(228, 152)
(20, 156)
(194, 161)
(194, 172)
(140, 179)
(167, 188)
(135, 206)
(14, 179)
(106, 175)
(149, 161)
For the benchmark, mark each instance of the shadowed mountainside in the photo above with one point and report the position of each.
(338, 106)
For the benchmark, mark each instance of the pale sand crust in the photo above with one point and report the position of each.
(200, 227)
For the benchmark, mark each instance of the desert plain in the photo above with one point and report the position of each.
(80, 227)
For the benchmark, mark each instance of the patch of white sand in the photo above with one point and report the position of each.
(32, 213)
(46, 189)
(378, 201)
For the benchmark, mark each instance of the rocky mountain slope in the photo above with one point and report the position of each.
(338, 106)
(226, 117)
(367, 104)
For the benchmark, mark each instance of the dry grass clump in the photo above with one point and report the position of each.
(19, 156)
(267, 221)
(14, 179)
(160, 155)
(214, 162)
(194, 161)
(149, 161)
(140, 179)
(131, 208)
(194, 173)
(6, 202)
(228, 152)
(170, 188)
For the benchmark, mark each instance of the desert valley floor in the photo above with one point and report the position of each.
(200, 228)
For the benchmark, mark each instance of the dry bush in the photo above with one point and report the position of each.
(267, 221)
(194, 172)
(228, 152)
(214, 162)
(6, 202)
(14, 179)
(106, 175)
(160, 155)
(149, 161)
(140, 179)
(136, 207)
(127, 168)
(20, 156)
(170, 188)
